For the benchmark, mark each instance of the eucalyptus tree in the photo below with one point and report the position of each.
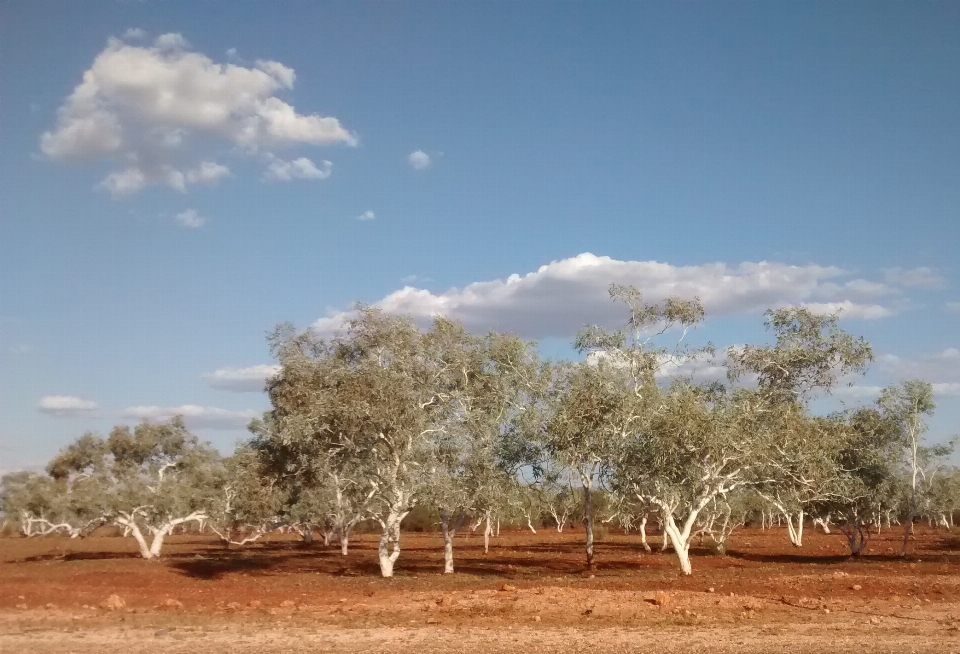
(906, 405)
(249, 503)
(43, 505)
(371, 398)
(697, 447)
(810, 355)
(148, 480)
(869, 466)
(601, 401)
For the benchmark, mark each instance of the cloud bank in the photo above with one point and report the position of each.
(241, 380)
(195, 417)
(561, 297)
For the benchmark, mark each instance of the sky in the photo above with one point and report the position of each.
(177, 178)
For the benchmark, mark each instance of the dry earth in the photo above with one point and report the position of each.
(530, 591)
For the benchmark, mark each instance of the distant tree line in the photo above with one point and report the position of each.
(385, 417)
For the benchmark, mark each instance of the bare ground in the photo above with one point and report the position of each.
(529, 591)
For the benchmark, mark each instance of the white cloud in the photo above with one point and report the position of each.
(367, 215)
(196, 417)
(419, 160)
(302, 168)
(66, 406)
(241, 380)
(943, 366)
(951, 389)
(848, 309)
(922, 277)
(152, 108)
(190, 219)
(856, 392)
(952, 307)
(135, 33)
(561, 297)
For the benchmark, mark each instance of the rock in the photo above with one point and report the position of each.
(51, 606)
(587, 611)
(254, 604)
(22, 606)
(287, 604)
(662, 599)
(432, 621)
(506, 588)
(856, 587)
(234, 606)
(710, 590)
(536, 618)
(839, 574)
(161, 632)
(171, 603)
(874, 620)
(446, 600)
(113, 603)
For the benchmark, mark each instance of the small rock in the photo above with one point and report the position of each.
(161, 632)
(839, 574)
(588, 611)
(286, 604)
(446, 600)
(254, 604)
(51, 606)
(432, 621)
(234, 606)
(536, 618)
(710, 590)
(171, 603)
(826, 610)
(856, 587)
(592, 577)
(506, 588)
(113, 603)
(874, 620)
(22, 606)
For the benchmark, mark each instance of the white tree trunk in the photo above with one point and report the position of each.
(344, 542)
(488, 529)
(643, 534)
(680, 541)
(389, 550)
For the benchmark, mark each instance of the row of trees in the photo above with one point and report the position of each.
(385, 417)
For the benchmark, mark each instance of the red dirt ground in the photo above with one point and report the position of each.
(529, 591)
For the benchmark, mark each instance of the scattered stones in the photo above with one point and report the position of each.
(113, 603)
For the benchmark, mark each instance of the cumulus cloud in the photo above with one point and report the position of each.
(419, 160)
(241, 380)
(66, 406)
(134, 33)
(302, 168)
(848, 309)
(367, 215)
(943, 366)
(151, 108)
(196, 417)
(561, 297)
(922, 277)
(190, 219)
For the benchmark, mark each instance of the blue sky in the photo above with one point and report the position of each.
(165, 201)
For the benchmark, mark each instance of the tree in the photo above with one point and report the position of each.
(148, 480)
(370, 398)
(598, 402)
(810, 355)
(905, 405)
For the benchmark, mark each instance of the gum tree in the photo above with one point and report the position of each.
(148, 480)
(371, 399)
